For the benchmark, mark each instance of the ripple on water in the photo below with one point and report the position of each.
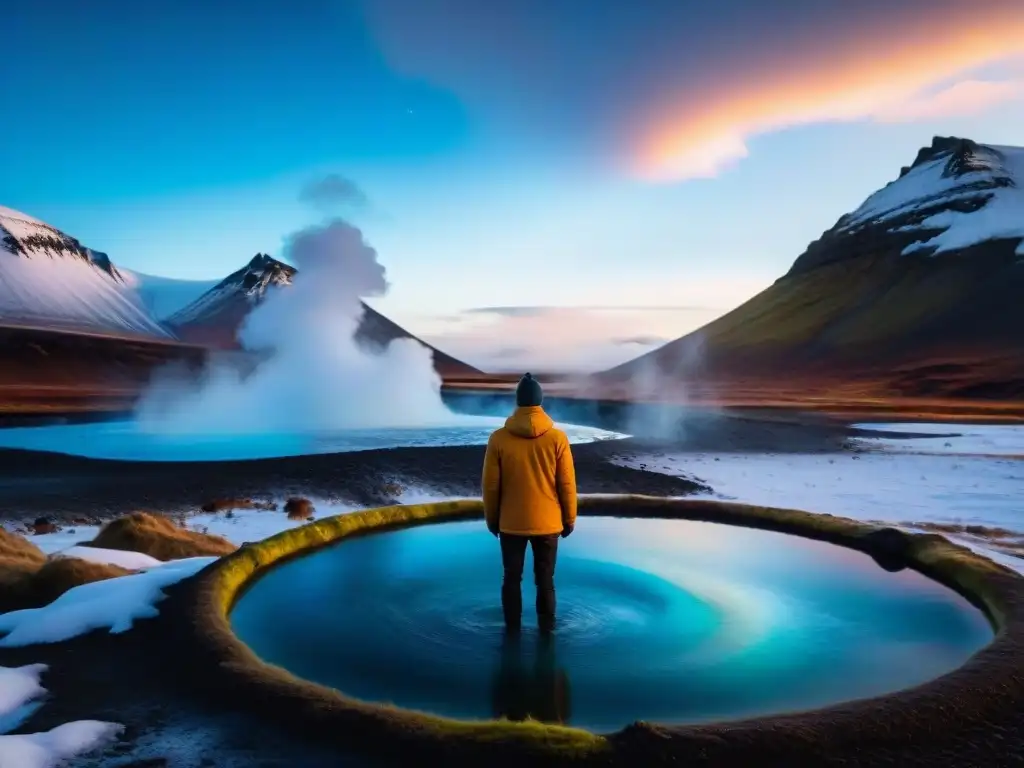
(672, 621)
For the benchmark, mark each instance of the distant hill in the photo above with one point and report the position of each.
(920, 291)
(78, 332)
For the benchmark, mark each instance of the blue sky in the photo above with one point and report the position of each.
(562, 158)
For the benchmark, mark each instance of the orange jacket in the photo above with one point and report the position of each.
(529, 482)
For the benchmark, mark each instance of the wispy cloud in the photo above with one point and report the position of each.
(928, 74)
(514, 352)
(967, 97)
(537, 311)
(563, 339)
(641, 341)
(333, 190)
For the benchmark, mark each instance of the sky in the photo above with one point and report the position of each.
(551, 184)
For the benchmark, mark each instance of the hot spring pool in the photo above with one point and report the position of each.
(670, 621)
(125, 440)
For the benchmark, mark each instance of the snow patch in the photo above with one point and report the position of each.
(133, 561)
(420, 495)
(21, 695)
(963, 439)
(60, 541)
(242, 525)
(19, 688)
(1002, 217)
(53, 747)
(113, 604)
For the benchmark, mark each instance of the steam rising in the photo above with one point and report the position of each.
(314, 376)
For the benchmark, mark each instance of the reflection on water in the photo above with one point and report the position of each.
(126, 441)
(536, 688)
(659, 620)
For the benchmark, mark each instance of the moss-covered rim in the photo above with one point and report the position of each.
(983, 688)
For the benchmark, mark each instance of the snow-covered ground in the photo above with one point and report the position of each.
(916, 481)
(113, 605)
(237, 526)
(21, 694)
(965, 439)
(64, 539)
(133, 561)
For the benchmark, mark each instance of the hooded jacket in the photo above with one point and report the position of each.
(529, 482)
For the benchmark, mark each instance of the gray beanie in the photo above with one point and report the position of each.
(528, 392)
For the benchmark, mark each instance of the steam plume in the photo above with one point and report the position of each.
(314, 375)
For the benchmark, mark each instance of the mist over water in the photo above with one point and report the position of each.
(315, 376)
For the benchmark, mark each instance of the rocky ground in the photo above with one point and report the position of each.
(66, 488)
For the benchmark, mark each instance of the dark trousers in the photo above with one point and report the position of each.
(513, 555)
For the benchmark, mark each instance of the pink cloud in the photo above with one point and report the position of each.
(967, 97)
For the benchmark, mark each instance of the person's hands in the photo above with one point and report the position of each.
(566, 530)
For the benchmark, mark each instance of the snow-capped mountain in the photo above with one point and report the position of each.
(222, 307)
(49, 280)
(920, 286)
(957, 195)
(215, 317)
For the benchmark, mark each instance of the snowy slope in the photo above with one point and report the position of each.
(958, 194)
(163, 296)
(50, 280)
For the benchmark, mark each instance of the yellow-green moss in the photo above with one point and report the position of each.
(211, 596)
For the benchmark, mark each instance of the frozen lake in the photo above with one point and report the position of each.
(126, 440)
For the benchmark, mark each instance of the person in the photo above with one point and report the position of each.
(529, 492)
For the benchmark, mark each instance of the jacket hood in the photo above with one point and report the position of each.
(529, 421)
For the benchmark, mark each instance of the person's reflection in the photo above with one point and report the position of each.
(522, 691)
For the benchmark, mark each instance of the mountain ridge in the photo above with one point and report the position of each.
(924, 275)
(51, 282)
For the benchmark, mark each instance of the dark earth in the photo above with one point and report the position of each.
(132, 678)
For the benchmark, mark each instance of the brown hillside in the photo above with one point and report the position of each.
(856, 308)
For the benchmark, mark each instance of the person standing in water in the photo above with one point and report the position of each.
(529, 492)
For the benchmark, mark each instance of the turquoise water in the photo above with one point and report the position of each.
(671, 621)
(127, 441)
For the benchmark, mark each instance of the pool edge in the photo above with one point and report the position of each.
(986, 689)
